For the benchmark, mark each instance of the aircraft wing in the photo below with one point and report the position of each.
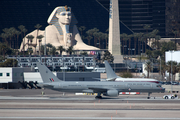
(45, 85)
(98, 89)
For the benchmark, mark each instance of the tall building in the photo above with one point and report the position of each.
(114, 32)
(136, 13)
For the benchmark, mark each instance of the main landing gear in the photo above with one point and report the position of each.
(149, 95)
(98, 96)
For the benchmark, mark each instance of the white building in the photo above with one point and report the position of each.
(9, 74)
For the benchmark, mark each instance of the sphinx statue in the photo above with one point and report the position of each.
(61, 31)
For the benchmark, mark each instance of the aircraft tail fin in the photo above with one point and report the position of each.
(46, 75)
(111, 75)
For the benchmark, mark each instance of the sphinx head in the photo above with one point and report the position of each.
(64, 17)
(62, 14)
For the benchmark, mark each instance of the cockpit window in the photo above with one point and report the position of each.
(158, 85)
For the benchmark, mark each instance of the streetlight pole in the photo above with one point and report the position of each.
(160, 70)
(171, 71)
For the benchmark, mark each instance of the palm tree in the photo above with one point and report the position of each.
(100, 35)
(175, 68)
(13, 32)
(135, 35)
(175, 36)
(139, 36)
(70, 50)
(89, 39)
(37, 27)
(23, 30)
(95, 34)
(61, 49)
(17, 35)
(53, 50)
(4, 36)
(106, 39)
(146, 27)
(157, 38)
(49, 45)
(163, 68)
(30, 51)
(91, 31)
(82, 28)
(39, 37)
(4, 49)
(30, 39)
(130, 49)
(148, 67)
(125, 38)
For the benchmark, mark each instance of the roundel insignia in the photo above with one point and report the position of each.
(129, 89)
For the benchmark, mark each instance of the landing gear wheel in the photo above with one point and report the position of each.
(172, 97)
(98, 97)
(148, 97)
(166, 97)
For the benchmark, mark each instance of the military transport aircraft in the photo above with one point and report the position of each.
(107, 88)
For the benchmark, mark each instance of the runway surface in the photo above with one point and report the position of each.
(27, 104)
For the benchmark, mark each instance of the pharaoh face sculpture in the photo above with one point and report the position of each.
(64, 17)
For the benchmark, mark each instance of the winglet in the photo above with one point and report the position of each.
(46, 75)
(111, 75)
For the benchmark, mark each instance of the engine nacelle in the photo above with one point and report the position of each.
(112, 93)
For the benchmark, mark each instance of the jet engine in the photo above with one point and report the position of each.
(112, 93)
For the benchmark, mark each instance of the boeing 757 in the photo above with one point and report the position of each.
(111, 76)
(107, 88)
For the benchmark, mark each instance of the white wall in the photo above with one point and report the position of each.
(175, 56)
(172, 56)
(4, 78)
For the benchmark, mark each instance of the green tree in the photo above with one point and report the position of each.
(84, 53)
(39, 37)
(23, 33)
(70, 50)
(100, 37)
(149, 67)
(61, 49)
(17, 38)
(49, 46)
(82, 28)
(124, 38)
(37, 26)
(30, 51)
(4, 49)
(9, 63)
(139, 36)
(30, 39)
(129, 38)
(108, 56)
(53, 50)
(135, 35)
(4, 36)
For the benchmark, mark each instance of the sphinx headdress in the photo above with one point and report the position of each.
(54, 20)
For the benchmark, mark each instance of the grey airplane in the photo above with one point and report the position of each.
(107, 88)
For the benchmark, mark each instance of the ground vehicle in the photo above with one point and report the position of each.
(175, 83)
(170, 96)
(101, 70)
